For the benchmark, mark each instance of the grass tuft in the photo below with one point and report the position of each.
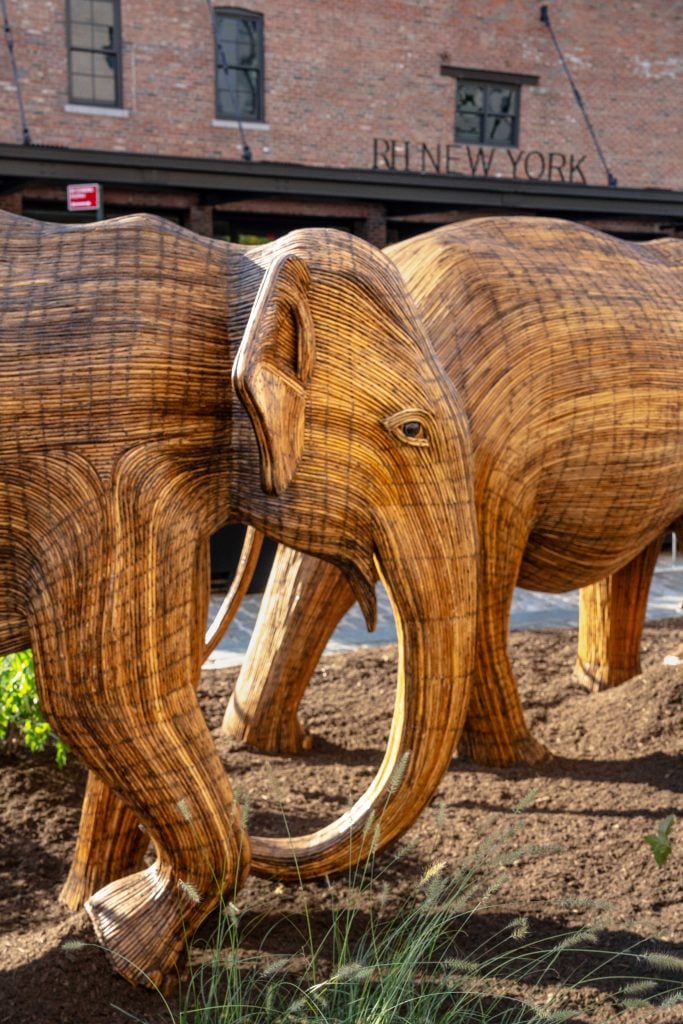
(372, 960)
(665, 961)
(415, 963)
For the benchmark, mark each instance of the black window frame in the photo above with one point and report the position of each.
(114, 51)
(237, 14)
(489, 80)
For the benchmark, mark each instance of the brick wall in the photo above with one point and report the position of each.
(339, 75)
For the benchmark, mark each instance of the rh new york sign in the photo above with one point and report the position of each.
(477, 161)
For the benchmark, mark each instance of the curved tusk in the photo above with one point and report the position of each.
(249, 555)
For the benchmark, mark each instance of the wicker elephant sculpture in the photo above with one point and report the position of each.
(125, 346)
(566, 348)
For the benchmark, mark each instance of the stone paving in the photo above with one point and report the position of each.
(530, 610)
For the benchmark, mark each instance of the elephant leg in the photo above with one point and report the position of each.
(495, 731)
(611, 617)
(111, 843)
(118, 653)
(304, 600)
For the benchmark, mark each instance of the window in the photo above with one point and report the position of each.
(239, 65)
(486, 113)
(487, 106)
(94, 52)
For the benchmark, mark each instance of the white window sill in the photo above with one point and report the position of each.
(86, 108)
(249, 126)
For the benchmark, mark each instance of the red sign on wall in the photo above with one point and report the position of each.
(82, 197)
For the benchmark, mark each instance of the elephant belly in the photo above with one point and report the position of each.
(556, 561)
(604, 495)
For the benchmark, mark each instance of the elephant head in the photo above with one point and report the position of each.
(364, 461)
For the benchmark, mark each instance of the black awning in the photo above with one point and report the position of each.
(400, 192)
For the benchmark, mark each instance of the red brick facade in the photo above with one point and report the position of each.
(352, 85)
(340, 74)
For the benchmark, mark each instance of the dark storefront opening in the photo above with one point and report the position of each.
(56, 211)
(257, 229)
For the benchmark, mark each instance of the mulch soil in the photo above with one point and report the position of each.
(617, 772)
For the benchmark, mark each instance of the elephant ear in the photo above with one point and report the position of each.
(273, 365)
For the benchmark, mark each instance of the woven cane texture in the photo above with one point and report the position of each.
(380, 482)
(566, 348)
(611, 620)
(115, 415)
(123, 447)
(568, 354)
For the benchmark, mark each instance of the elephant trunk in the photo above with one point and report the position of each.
(429, 569)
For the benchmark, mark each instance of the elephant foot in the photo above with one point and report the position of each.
(80, 883)
(77, 890)
(598, 678)
(139, 922)
(102, 860)
(281, 736)
(497, 752)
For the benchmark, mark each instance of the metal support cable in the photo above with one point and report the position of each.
(545, 20)
(15, 73)
(246, 148)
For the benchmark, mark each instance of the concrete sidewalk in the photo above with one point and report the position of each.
(530, 610)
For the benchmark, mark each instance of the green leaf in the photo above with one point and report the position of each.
(659, 841)
(21, 716)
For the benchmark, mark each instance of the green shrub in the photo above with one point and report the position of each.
(21, 718)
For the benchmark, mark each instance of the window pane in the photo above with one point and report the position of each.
(226, 31)
(227, 101)
(241, 98)
(81, 35)
(103, 37)
(103, 12)
(468, 128)
(248, 93)
(104, 65)
(82, 87)
(247, 45)
(81, 63)
(228, 49)
(470, 97)
(501, 99)
(225, 28)
(223, 105)
(239, 78)
(105, 90)
(239, 38)
(80, 10)
(499, 131)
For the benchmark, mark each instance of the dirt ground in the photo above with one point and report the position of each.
(617, 772)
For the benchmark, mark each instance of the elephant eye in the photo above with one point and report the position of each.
(409, 426)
